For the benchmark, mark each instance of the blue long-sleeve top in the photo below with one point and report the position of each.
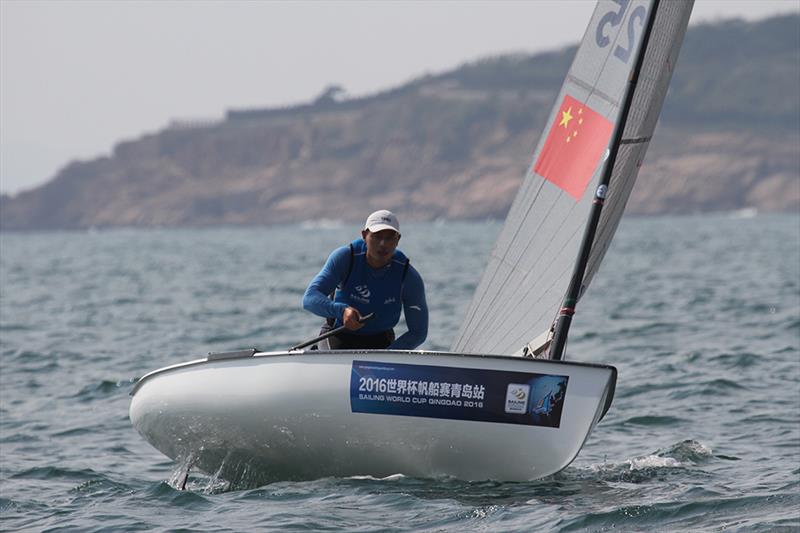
(384, 291)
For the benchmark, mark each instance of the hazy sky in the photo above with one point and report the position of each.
(78, 77)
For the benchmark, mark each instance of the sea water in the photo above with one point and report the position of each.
(701, 315)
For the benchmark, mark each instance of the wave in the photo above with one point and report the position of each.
(737, 360)
(54, 472)
(163, 491)
(714, 387)
(6, 505)
(102, 389)
(392, 477)
(770, 512)
(680, 456)
(653, 420)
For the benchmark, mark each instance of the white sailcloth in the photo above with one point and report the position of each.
(529, 269)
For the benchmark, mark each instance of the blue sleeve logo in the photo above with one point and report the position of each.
(457, 393)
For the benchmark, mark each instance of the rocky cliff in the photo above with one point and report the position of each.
(454, 145)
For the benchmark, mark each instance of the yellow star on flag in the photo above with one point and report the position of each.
(566, 116)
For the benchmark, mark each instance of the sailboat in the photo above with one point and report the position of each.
(503, 404)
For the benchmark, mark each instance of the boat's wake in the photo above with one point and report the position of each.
(201, 482)
(393, 477)
(674, 460)
(687, 454)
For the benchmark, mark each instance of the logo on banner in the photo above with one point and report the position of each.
(517, 398)
(573, 148)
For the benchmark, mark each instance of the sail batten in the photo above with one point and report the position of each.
(531, 265)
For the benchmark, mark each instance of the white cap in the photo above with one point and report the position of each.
(381, 220)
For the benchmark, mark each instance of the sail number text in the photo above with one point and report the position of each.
(614, 19)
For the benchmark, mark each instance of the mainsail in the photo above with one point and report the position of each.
(530, 267)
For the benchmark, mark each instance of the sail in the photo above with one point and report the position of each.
(529, 269)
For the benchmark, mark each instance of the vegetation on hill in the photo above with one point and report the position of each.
(452, 145)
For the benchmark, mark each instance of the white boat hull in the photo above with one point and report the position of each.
(306, 415)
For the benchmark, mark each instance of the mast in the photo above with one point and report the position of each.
(564, 318)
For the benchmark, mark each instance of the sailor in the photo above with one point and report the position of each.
(370, 276)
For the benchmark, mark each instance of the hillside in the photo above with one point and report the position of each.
(453, 145)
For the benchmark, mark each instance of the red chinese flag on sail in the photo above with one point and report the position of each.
(577, 139)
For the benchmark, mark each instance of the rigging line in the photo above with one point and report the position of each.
(513, 270)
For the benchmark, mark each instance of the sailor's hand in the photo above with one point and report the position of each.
(352, 319)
